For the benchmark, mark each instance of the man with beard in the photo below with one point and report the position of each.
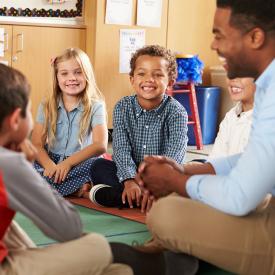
(221, 212)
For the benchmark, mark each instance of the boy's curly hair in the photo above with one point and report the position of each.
(156, 50)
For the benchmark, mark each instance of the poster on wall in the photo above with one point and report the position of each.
(2, 41)
(119, 12)
(2, 32)
(130, 41)
(58, 1)
(149, 13)
(2, 49)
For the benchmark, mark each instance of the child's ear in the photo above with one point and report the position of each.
(131, 79)
(14, 119)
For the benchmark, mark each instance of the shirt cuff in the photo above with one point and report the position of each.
(193, 186)
(220, 165)
(126, 175)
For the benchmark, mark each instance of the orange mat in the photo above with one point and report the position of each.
(130, 214)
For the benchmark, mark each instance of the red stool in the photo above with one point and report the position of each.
(193, 118)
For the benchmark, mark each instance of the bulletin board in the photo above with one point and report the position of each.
(41, 8)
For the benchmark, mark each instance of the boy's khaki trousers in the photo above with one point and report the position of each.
(242, 245)
(90, 254)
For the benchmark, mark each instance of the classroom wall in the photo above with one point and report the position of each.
(186, 27)
(103, 48)
(190, 30)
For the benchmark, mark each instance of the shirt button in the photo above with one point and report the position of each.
(120, 178)
(144, 146)
(146, 126)
(158, 115)
(144, 111)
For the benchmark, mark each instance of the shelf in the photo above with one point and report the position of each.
(42, 21)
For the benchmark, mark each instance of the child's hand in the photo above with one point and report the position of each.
(132, 192)
(27, 148)
(49, 170)
(62, 170)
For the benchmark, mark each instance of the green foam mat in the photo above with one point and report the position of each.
(114, 228)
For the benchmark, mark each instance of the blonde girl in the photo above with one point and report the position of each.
(70, 130)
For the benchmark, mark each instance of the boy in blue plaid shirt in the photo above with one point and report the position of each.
(147, 123)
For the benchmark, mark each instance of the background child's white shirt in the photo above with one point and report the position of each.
(233, 133)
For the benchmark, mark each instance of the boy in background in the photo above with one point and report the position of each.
(147, 123)
(23, 190)
(235, 128)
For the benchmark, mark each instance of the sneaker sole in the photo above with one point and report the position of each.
(93, 191)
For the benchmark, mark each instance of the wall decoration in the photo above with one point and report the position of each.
(149, 13)
(43, 12)
(130, 41)
(190, 69)
(119, 12)
(2, 42)
(56, 1)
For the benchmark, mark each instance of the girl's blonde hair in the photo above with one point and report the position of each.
(88, 97)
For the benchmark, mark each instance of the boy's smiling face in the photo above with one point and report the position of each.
(150, 80)
(242, 89)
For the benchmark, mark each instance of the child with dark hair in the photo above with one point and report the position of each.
(22, 189)
(147, 123)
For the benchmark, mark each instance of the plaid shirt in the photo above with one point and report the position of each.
(138, 132)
